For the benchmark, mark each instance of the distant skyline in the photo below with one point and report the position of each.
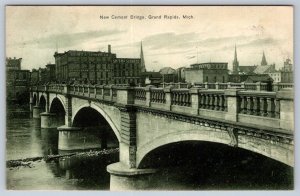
(34, 33)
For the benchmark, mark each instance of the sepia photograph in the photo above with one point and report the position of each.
(168, 98)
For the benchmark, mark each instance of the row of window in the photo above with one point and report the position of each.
(100, 66)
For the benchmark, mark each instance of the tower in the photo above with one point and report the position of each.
(143, 68)
(263, 60)
(235, 63)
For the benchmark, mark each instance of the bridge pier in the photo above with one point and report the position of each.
(36, 110)
(49, 120)
(124, 178)
(77, 138)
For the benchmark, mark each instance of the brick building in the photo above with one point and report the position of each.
(97, 67)
(51, 73)
(17, 81)
(13, 63)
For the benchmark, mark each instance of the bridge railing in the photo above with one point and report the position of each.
(258, 86)
(157, 95)
(279, 86)
(212, 100)
(261, 108)
(181, 97)
(140, 93)
(259, 104)
(174, 85)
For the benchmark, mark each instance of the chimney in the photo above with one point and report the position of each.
(109, 48)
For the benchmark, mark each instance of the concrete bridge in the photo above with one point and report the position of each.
(146, 118)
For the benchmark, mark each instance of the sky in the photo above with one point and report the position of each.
(34, 33)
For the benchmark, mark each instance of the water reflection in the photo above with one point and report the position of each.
(50, 141)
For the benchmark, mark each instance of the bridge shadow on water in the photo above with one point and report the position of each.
(210, 166)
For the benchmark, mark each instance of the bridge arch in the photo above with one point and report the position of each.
(56, 100)
(197, 135)
(102, 113)
(182, 136)
(42, 103)
(34, 99)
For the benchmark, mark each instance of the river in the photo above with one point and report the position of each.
(222, 170)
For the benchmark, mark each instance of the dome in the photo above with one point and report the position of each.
(167, 70)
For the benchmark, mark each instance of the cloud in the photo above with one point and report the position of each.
(70, 39)
(262, 42)
(171, 40)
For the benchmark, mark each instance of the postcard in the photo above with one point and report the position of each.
(149, 97)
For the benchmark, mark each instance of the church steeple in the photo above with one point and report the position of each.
(263, 60)
(143, 68)
(235, 63)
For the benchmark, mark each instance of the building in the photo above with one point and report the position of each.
(263, 60)
(34, 77)
(264, 78)
(276, 76)
(180, 74)
(13, 63)
(207, 72)
(97, 67)
(168, 75)
(235, 63)
(151, 78)
(126, 71)
(285, 75)
(287, 65)
(51, 73)
(247, 69)
(17, 81)
(143, 67)
(264, 68)
(237, 69)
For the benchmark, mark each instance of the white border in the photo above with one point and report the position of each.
(296, 5)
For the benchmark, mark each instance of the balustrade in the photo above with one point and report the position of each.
(181, 97)
(85, 89)
(285, 85)
(250, 86)
(157, 95)
(106, 91)
(222, 85)
(211, 86)
(99, 90)
(140, 94)
(261, 104)
(114, 92)
(212, 100)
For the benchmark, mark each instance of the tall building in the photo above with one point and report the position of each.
(13, 63)
(126, 71)
(235, 63)
(263, 60)
(97, 67)
(17, 81)
(287, 65)
(51, 74)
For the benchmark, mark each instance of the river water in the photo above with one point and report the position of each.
(224, 169)
(26, 139)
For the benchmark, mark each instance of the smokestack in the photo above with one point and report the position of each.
(109, 48)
